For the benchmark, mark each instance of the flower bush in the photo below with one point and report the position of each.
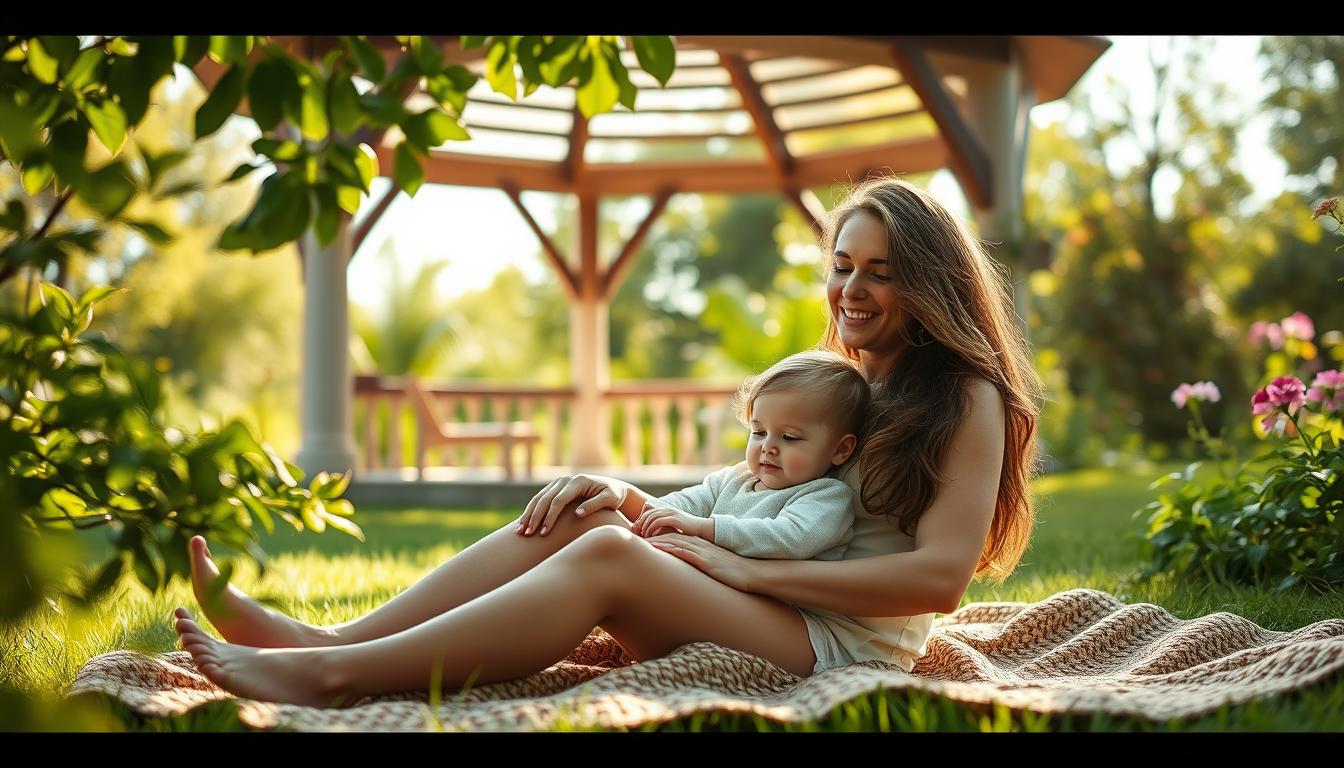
(1278, 519)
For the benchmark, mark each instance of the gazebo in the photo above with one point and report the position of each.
(741, 114)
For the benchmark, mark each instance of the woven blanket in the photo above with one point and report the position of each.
(1078, 652)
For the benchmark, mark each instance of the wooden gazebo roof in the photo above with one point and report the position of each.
(744, 114)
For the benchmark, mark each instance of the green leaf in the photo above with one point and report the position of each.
(406, 169)
(313, 118)
(600, 93)
(341, 165)
(328, 220)
(42, 64)
(282, 150)
(344, 525)
(157, 165)
(384, 108)
(499, 70)
(281, 215)
(92, 296)
(432, 128)
(347, 114)
(108, 189)
(154, 57)
(271, 85)
(15, 216)
(370, 60)
(222, 102)
(130, 86)
(152, 231)
(446, 93)
(657, 55)
(188, 49)
(108, 121)
(60, 298)
(230, 49)
(36, 176)
(89, 66)
(473, 41)
(349, 198)
(366, 160)
(314, 514)
(63, 48)
(624, 87)
(428, 55)
(242, 171)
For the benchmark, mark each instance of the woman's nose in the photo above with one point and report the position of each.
(852, 289)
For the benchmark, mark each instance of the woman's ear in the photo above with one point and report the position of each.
(843, 449)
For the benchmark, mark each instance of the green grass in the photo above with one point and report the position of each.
(1084, 538)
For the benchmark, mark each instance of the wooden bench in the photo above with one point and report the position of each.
(434, 432)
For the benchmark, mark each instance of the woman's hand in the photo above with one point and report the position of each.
(654, 520)
(595, 491)
(722, 565)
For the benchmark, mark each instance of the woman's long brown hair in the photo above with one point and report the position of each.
(960, 327)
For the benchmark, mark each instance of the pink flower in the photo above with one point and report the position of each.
(1286, 392)
(1200, 391)
(1298, 326)
(1261, 330)
(1327, 390)
(1181, 394)
(1326, 207)
(1206, 391)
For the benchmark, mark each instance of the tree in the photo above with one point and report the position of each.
(81, 430)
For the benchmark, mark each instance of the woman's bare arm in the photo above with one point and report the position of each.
(949, 538)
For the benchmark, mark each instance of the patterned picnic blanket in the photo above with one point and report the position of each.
(1081, 651)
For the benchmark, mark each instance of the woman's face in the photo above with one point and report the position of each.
(863, 302)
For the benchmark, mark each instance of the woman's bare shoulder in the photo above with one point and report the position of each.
(986, 400)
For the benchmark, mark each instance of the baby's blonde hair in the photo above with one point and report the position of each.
(821, 372)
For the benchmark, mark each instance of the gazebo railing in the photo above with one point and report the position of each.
(653, 423)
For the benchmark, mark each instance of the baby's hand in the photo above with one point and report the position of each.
(655, 520)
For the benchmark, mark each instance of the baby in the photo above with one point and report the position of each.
(806, 416)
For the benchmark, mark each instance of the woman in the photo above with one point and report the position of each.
(942, 479)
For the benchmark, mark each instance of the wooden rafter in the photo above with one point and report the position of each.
(761, 114)
(366, 226)
(612, 279)
(567, 277)
(578, 139)
(969, 160)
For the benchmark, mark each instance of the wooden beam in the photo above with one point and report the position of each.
(567, 277)
(969, 160)
(616, 272)
(370, 219)
(761, 113)
(832, 47)
(578, 140)
(712, 175)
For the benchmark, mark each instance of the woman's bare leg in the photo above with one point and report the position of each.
(650, 601)
(485, 565)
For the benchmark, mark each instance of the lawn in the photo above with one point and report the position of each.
(1084, 538)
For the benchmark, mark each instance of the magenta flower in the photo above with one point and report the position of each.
(1327, 390)
(1287, 392)
(1260, 403)
(1298, 326)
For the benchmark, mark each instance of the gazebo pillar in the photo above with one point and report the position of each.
(590, 349)
(325, 422)
(998, 100)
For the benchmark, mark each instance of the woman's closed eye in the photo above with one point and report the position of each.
(881, 278)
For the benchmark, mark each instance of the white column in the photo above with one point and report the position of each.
(326, 403)
(998, 101)
(589, 350)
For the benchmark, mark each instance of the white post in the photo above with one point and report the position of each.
(590, 350)
(325, 408)
(998, 100)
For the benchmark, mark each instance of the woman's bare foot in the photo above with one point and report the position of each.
(239, 618)
(286, 675)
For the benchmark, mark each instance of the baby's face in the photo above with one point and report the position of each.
(791, 441)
